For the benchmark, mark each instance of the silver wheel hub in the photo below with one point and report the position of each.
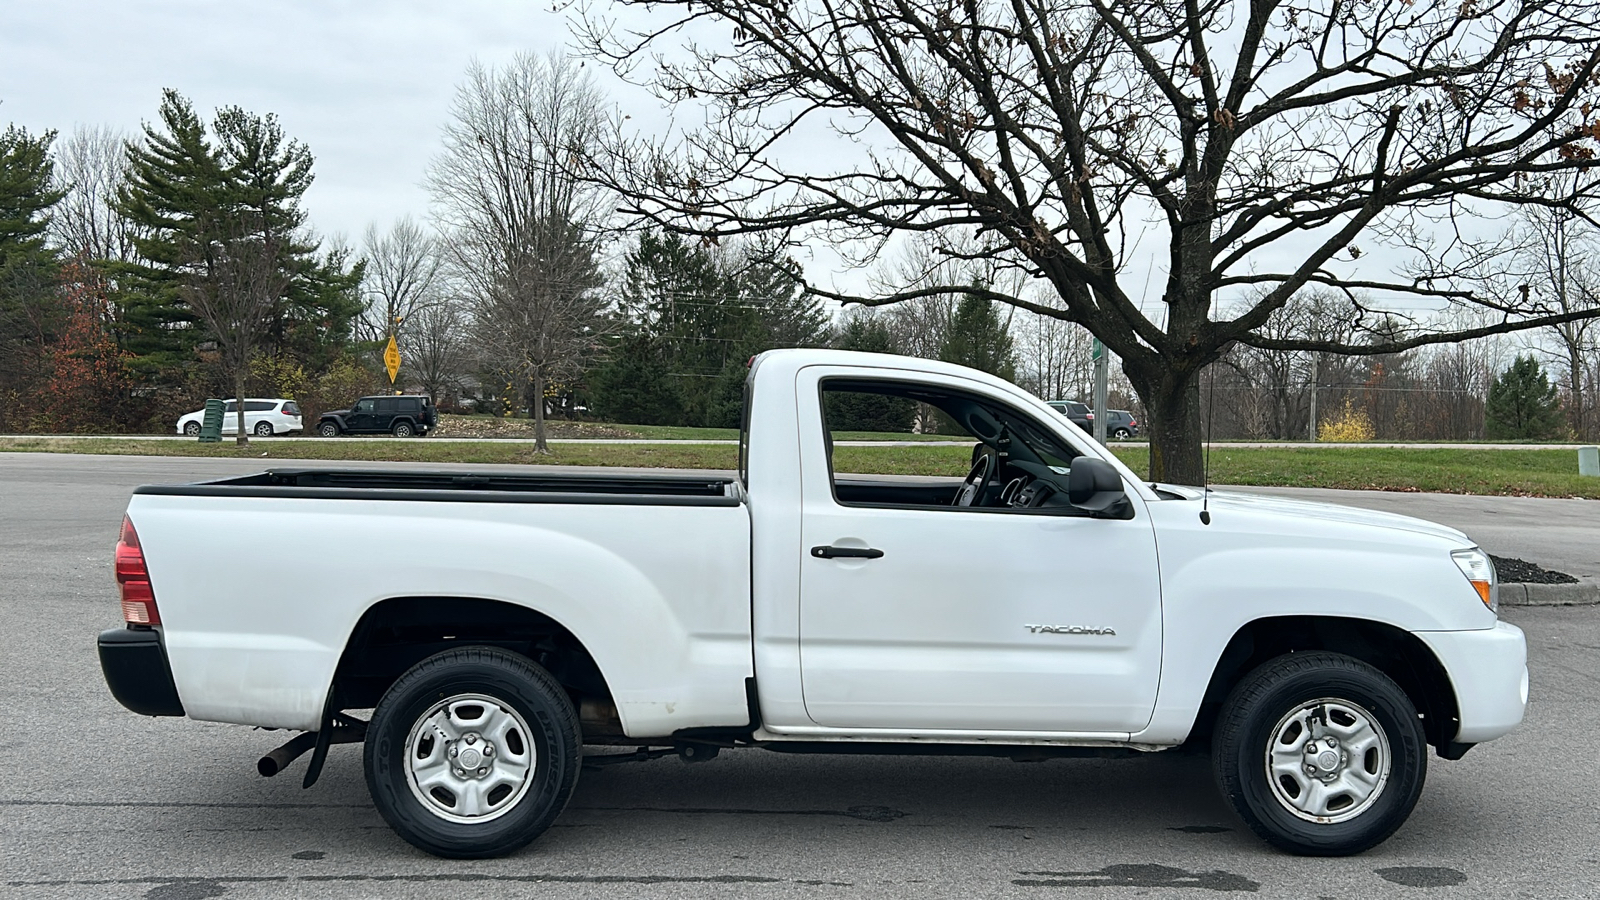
(1328, 761)
(469, 758)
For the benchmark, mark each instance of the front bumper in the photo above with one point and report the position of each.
(1489, 671)
(135, 666)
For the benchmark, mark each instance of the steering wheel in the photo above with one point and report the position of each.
(972, 486)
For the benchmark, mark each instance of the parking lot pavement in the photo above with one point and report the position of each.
(96, 802)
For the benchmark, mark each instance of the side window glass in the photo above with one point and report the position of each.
(365, 406)
(386, 407)
(257, 405)
(860, 414)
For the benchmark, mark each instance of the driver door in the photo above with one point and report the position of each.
(972, 619)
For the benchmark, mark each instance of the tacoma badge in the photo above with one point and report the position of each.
(1069, 629)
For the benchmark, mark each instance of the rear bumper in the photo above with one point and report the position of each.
(135, 666)
(1489, 671)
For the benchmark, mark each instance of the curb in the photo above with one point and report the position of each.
(1584, 593)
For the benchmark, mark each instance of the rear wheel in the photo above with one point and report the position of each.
(1320, 754)
(1122, 434)
(403, 429)
(328, 429)
(264, 429)
(473, 753)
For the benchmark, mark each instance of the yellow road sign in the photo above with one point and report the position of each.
(391, 359)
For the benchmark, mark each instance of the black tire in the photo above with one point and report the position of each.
(192, 429)
(518, 685)
(403, 430)
(264, 429)
(1249, 724)
(328, 429)
(1122, 434)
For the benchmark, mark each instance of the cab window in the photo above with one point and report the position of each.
(1002, 458)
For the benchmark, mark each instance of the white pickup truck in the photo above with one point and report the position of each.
(1049, 603)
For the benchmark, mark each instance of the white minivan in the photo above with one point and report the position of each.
(263, 418)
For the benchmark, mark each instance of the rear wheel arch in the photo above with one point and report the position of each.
(395, 634)
(1395, 652)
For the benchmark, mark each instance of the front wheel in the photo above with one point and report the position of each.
(1320, 754)
(473, 753)
(191, 429)
(328, 429)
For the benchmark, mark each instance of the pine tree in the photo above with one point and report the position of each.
(224, 250)
(30, 313)
(856, 411)
(978, 339)
(694, 317)
(1522, 403)
(26, 196)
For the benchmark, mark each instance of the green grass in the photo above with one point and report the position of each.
(1534, 473)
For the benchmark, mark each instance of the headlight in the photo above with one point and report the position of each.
(1476, 565)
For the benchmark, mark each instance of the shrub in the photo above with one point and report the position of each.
(1346, 426)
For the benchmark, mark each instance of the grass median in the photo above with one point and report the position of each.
(1509, 471)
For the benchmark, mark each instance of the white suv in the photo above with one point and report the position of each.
(263, 418)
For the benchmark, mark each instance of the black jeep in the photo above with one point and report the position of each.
(402, 416)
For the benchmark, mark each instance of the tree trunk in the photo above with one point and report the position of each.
(539, 445)
(1575, 388)
(243, 437)
(1172, 423)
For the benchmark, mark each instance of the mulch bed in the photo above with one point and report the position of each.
(492, 427)
(1519, 571)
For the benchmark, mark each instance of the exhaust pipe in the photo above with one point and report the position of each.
(295, 747)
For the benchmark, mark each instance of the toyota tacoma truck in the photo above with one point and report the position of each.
(1049, 603)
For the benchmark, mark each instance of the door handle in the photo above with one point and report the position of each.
(826, 552)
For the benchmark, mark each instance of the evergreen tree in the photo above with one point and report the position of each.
(854, 411)
(1522, 403)
(978, 339)
(225, 252)
(26, 197)
(694, 317)
(30, 312)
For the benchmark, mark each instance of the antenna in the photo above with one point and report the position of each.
(1205, 474)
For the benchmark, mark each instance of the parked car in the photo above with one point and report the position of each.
(1120, 424)
(401, 416)
(263, 418)
(1317, 650)
(1080, 413)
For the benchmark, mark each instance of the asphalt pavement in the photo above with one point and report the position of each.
(97, 802)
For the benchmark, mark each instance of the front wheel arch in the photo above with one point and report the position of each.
(1397, 653)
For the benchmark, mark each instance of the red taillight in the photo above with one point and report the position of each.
(133, 579)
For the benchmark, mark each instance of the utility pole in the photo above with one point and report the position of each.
(1101, 371)
(1311, 432)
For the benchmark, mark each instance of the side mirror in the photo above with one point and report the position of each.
(1094, 486)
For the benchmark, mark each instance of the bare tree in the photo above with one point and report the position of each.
(91, 166)
(234, 292)
(1055, 358)
(436, 347)
(1561, 266)
(401, 276)
(521, 231)
(1247, 144)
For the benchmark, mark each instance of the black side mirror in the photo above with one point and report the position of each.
(1094, 486)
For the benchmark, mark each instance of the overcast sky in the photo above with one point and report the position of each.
(366, 85)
